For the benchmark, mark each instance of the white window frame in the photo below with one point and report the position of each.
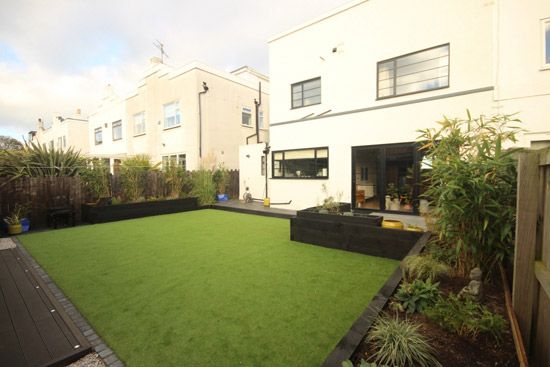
(545, 43)
(139, 124)
(176, 116)
(246, 111)
(179, 158)
(100, 131)
(116, 124)
(64, 141)
(261, 120)
(59, 142)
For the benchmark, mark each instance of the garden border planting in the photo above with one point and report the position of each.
(110, 213)
(353, 337)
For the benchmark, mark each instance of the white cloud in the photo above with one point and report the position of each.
(59, 55)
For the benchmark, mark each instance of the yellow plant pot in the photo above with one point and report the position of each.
(14, 228)
(267, 202)
(392, 224)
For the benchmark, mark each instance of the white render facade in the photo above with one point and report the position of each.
(63, 133)
(344, 102)
(161, 116)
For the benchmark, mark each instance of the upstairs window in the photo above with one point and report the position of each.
(98, 136)
(306, 93)
(302, 163)
(139, 124)
(117, 130)
(59, 142)
(261, 120)
(546, 43)
(246, 117)
(172, 114)
(64, 141)
(413, 73)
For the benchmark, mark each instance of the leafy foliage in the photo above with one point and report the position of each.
(400, 344)
(174, 179)
(466, 318)
(220, 178)
(7, 142)
(418, 295)
(18, 213)
(96, 177)
(36, 160)
(423, 266)
(472, 185)
(331, 203)
(134, 177)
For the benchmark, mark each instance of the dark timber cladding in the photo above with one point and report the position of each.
(34, 328)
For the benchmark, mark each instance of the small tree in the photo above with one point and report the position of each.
(220, 177)
(472, 185)
(174, 179)
(97, 178)
(204, 188)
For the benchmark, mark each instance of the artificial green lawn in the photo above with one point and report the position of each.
(209, 288)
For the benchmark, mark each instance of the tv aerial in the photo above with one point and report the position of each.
(160, 46)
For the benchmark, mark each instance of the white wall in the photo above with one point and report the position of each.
(111, 109)
(363, 34)
(250, 173)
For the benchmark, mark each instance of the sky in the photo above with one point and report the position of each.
(58, 55)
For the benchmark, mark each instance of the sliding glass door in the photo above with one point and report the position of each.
(386, 177)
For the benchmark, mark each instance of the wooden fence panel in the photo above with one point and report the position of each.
(531, 287)
(42, 193)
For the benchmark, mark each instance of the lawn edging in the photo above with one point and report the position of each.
(355, 334)
(110, 213)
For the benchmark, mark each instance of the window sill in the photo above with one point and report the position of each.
(301, 178)
(114, 140)
(98, 143)
(545, 67)
(250, 126)
(138, 135)
(309, 105)
(171, 128)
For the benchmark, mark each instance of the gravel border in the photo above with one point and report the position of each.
(102, 351)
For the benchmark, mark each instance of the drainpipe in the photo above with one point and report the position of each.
(205, 89)
(266, 153)
(257, 104)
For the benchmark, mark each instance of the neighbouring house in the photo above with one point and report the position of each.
(63, 133)
(183, 115)
(350, 88)
(107, 138)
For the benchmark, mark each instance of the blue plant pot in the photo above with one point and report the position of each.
(25, 224)
(222, 197)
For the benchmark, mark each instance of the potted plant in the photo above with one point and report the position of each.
(14, 221)
(220, 178)
(393, 192)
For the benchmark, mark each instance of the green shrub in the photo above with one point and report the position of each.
(174, 177)
(134, 175)
(400, 344)
(423, 266)
(96, 177)
(204, 188)
(467, 319)
(36, 160)
(417, 296)
(472, 185)
(220, 178)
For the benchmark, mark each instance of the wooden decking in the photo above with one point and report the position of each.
(34, 328)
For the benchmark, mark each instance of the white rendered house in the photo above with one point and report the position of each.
(63, 133)
(183, 115)
(350, 88)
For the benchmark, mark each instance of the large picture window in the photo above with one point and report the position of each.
(412, 73)
(306, 93)
(303, 163)
(139, 124)
(172, 114)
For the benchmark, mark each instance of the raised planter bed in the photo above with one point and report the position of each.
(110, 213)
(352, 233)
